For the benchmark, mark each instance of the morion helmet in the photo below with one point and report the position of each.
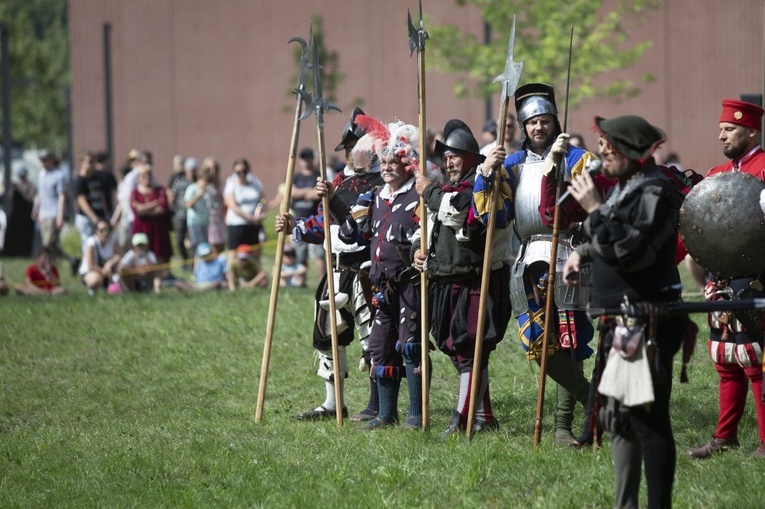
(351, 131)
(532, 100)
(457, 138)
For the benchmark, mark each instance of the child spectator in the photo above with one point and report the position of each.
(138, 268)
(42, 276)
(246, 270)
(209, 268)
(100, 258)
(293, 272)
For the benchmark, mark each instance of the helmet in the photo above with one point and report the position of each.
(532, 100)
(457, 138)
(535, 99)
(351, 131)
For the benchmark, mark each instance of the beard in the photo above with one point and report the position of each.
(734, 152)
(541, 145)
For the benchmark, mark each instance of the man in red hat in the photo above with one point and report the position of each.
(737, 352)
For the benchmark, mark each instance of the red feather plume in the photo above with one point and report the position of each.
(374, 128)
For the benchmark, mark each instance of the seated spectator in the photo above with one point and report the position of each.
(209, 268)
(42, 276)
(293, 272)
(100, 258)
(138, 268)
(246, 270)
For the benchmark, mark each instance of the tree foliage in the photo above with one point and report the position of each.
(543, 29)
(38, 49)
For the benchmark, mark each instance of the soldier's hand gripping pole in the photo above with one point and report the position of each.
(302, 74)
(417, 37)
(318, 106)
(509, 80)
(550, 297)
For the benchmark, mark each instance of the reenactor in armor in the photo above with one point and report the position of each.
(545, 155)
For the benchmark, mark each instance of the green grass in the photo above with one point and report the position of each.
(148, 401)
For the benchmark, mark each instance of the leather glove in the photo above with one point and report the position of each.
(557, 151)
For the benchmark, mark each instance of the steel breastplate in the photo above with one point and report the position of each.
(527, 200)
(536, 249)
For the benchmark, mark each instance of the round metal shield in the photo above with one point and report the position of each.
(722, 226)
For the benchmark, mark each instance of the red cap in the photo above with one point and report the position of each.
(243, 250)
(742, 113)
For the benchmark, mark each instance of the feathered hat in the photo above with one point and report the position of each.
(397, 138)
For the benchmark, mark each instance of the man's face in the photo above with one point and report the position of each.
(510, 129)
(348, 157)
(615, 165)
(455, 166)
(86, 164)
(304, 166)
(393, 171)
(736, 140)
(47, 163)
(540, 131)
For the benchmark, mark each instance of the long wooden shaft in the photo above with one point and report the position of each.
(278, 265)
(339, 380)
(553, 266)
(475, 381)
(424, 240)
(549, 302)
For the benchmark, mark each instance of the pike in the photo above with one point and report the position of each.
(509, 79)
(302, 75)
(417, 37)
(551, 273)
(317, 105)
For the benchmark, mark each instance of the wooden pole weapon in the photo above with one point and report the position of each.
(549, 298)
(509, 80)
(302, 74)
(318, 105)
(417, 37)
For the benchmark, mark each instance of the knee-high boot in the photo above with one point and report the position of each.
(414, 383)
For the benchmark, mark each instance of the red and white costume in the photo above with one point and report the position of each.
(736, 355)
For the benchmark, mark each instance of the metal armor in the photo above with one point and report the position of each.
(537, 245)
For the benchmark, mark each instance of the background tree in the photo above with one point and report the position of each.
(39, 60)
(543, 29)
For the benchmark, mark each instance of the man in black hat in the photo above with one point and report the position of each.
(545, 154)
(454, 263)
(351, 273)
(631, 247)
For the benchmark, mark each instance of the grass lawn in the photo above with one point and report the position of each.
(148, 401)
